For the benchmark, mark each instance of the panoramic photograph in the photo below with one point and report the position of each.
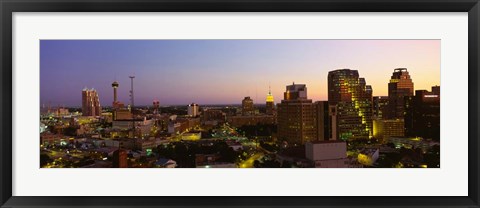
(239, 103)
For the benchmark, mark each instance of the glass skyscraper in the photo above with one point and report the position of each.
(353, 98)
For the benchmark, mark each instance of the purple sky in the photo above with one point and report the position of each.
(178, 72)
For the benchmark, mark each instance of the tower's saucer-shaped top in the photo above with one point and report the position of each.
(115, 84)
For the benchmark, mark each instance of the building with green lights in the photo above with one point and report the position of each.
(353, 98)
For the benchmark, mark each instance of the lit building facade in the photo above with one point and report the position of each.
(122, 114)
(368, 156)
(412, 143)
(270, 103)
(193, 110)
(213, 116)
(156, 107)
(353, 98)
(296, 116)
(380, 106)
(241, 120)
(90, 103)
(384, 129)
(422, 114)
(399, 87)
(183, 125)
(60, 111)
(247, 106)
(142, 126)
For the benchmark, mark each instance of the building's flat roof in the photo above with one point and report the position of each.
(327, 141)
(369, 151)
(130, 120)
(297, 152)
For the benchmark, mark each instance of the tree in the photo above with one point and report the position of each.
(286, 164)
(44, 159)
(391, 145)
(432, 158)
(70, 131)
(256, 164)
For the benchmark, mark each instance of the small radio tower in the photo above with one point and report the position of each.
(156, 105)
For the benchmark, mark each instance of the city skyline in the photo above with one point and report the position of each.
(319, 108)
(179, 72)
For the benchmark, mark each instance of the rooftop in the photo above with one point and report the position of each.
(327, 141)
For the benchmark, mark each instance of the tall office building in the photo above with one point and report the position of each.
(247, 106)
(399, 87)
(296, 116)
(270, 105)
(90, 103)
(213, 115)
(383, 126)
(353, 99)
(193, 110)
(380, 107)
(422, 114)
(326, 121)
(156, 107)
(436, 90)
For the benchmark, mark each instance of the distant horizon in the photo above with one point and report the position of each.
(179, 72)
(45, 105)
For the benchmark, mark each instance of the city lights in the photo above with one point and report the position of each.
(329, 118)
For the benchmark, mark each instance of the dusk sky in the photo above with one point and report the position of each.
(179, 72)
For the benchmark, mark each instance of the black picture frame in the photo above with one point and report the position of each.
(7, 7)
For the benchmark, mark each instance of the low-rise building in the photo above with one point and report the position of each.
(384, 129)
(368, 156)
(247, 120)
(122, 114)
(295, 156)
(218, 165)
(192, 136)
(142, 126)
(165, 163)
(47, 138)
(182, 125)
(235, 145)
(412, 143)
(122, 143)
(211, 161)
(327, 154)
(213, 115)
